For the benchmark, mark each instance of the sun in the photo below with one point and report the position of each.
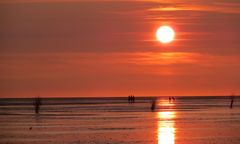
(165, 34)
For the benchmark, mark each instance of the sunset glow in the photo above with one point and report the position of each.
(88, 48)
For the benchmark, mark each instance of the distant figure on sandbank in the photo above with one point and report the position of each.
(131, 99)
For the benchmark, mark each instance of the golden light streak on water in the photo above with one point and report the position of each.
(166, 129)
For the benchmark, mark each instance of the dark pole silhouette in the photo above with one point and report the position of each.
(232, 100)
(37, 103)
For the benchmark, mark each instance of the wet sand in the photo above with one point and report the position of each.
(188, 120)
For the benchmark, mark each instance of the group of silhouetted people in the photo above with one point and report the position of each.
(131, 99)
(171, 99)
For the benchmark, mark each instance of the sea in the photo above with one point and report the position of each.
(115, 120)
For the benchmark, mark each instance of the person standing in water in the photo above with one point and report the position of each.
(170, 100)
(153, 104)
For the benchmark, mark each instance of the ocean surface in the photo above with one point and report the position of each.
(187, 120)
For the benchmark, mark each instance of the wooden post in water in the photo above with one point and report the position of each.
(232, 100)
(37, 103)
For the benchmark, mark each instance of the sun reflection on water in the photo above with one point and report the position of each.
(166, 129)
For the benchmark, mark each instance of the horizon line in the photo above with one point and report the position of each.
(139, 96)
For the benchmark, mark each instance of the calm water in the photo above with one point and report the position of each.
(189, 120)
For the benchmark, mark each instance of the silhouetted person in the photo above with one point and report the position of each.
(169, 99)
(232, 100)
(129, 98)
(153, 106)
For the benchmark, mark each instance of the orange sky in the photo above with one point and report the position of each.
(108, 48)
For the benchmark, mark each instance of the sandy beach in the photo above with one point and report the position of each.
(188, 120)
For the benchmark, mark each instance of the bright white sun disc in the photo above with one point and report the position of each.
(165, 34)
